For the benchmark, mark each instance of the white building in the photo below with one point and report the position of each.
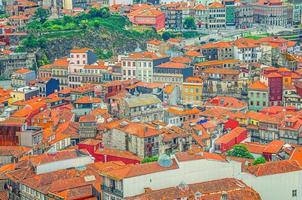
(139, 65)
(279, 180)
(247, 50)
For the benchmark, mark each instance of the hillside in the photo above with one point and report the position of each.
(107, 34)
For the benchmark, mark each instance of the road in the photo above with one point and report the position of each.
(231, 34)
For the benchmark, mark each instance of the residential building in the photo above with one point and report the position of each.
(230, 64)
(24, 93)
(228, 140)
(150, 17)
(216, 16)
(275, 83)
(229, 13)
(145, 108)
(192, 91)
(171, 72)
(14, 61)
(85, 104)
(247, 50)
(228, 103)
(47, 86)
(221, 81)
(141, 139)
(60, 72)
(88, 125)
(141, 65)
(244, 15)
(218, 51)
(78, 59)
(22, 77)
(258, 94)
(273, 13)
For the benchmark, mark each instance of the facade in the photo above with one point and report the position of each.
(140, 66)
(47, 86)
(216, 16)
(227, 141)
(171, 72)
(78, 59)
(192, 91)
(141, 139)
(275, 84)
(273, 14)
(145, 108)
(148, 17)
(244, 16)
(59, 72)
(258, 94)
(247, 50)
(22, 77)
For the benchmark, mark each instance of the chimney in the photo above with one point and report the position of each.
(145, 129)
(224, 195)
(147, 190)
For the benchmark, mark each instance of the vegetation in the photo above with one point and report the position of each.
(189, 23)
(259, 160)
(150, 159)
(166, 35)
(240, 151)
(44, 35)
(41, 15)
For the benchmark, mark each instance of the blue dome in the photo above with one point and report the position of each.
(164, 161)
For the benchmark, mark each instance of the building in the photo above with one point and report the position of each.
(141, 139)
(273, 13)
(88, 126)
(275, 83)
(59, 71)
(192, 91)
(228, 140)
(258, 95)
(24, 93)
(247, 50)
(172, 72)
(230, 64)
(217, 51)
(47, 86)
(14, 61)
(183, 163)
(216, 16)
(77, 61)
(145, 108)
(244, 16)
(150, 17)
(221, 81)
(141, 65)
(228, 103)
(22, 77)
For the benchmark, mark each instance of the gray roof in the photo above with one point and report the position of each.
(142, 100)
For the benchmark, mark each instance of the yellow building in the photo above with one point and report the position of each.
(192, 91)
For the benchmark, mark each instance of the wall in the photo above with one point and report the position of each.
(64, 164)
(188, 172)
(280, 185)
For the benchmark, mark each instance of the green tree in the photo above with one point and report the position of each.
(189, 23)
(259, 160)
(241, 151)
(41, 14)
(166, 36)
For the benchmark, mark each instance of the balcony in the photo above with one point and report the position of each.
(112, 190)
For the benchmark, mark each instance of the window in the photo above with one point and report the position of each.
(252, 103)
(294, 193)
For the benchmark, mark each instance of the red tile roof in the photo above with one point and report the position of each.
(230, 136)
(275, 167)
